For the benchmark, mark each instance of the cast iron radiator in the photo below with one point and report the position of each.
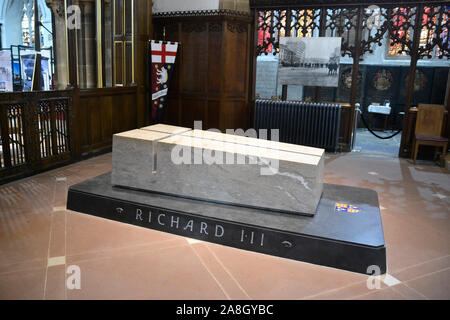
(306, 123)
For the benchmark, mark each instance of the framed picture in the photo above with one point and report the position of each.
(27, 61)
(309, 61)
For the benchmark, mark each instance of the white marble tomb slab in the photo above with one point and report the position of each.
(213, 135)
(146, 161)
(166, 128)
(133, 151)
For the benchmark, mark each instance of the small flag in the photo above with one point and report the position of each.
(163, 61)
(345, 207)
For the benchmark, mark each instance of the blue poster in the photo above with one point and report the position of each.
(27, 71)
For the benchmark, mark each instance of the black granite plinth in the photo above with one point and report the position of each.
(346, 232)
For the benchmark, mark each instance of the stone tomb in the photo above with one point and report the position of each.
(221, 168)
(345, 231)
(335, 236)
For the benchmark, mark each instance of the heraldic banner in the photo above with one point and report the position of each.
(163, 56)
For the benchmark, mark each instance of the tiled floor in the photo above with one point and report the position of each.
(366, 142)
(40, 241)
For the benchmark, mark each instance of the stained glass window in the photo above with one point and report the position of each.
(263, 32)
(444, 33)
(27, 25)
(400, 20)
(272, 27)
(302, 23)
(430, 20)
(26, 39)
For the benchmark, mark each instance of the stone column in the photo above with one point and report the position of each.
(108, 43)
(59, 43)
(90, 43)
(86, 45)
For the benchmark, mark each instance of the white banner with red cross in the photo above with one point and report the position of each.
(163, 59)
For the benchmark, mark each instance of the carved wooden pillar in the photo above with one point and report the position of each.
(404, 150)
(322, 28)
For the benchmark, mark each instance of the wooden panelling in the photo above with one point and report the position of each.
(213, 117)
(215, 44)
(128, 61)
(236, 80)
(118, 62)
(93, 121)
(123, 38)
(233, 114)
(193, 109)
(346, 122)
(211, 77)
(105, 121)
(103, 112)
(172, 110)
(128, 14)
(195, 61)
(118, 14)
